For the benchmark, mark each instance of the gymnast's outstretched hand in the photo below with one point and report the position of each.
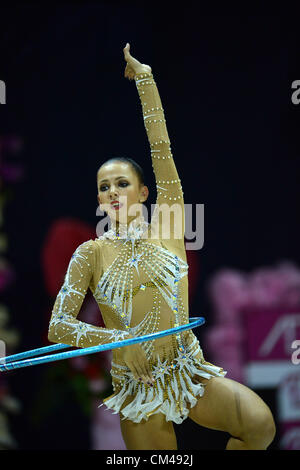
(133, 66)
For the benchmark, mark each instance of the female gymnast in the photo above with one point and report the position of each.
(137, 272)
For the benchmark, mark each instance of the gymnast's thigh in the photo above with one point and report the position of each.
(229, 406)
(154, 434)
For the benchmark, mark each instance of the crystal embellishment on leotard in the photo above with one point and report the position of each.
(80, 329)
(161, 267)
(134, 262)
(133, 231)
(173, 389)
(183, 359)
(160, 370)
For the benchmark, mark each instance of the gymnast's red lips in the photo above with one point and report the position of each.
(116, 205)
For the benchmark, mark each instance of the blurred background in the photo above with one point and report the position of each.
(225, 84)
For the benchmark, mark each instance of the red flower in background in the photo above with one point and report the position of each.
(64, 236)
(92, 371)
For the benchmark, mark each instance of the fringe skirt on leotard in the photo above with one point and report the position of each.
(175, 387)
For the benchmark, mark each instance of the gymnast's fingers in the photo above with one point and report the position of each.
(135, 371)
(145, 374)
(141, 372)
(150, 373)
(126, 52)
(145, 366)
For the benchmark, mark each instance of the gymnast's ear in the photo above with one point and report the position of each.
(144, 193)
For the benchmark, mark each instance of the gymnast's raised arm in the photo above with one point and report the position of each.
(169, 201)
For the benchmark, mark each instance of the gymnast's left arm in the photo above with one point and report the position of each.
(168, 183)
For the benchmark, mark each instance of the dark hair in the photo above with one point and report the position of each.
(136, 167)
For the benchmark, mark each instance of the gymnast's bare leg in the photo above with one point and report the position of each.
(154, 434)
(225, 406)
(232, 407)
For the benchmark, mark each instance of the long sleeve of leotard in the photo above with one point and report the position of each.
(64, 327)
(168, 184)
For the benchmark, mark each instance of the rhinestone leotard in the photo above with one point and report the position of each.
(140, 283)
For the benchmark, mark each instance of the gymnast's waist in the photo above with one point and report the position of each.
(165, 351)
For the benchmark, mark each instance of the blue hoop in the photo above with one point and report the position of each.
(195, 321)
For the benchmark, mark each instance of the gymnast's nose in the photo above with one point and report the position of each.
(113, 194)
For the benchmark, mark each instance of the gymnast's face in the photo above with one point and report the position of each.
(117, 181)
